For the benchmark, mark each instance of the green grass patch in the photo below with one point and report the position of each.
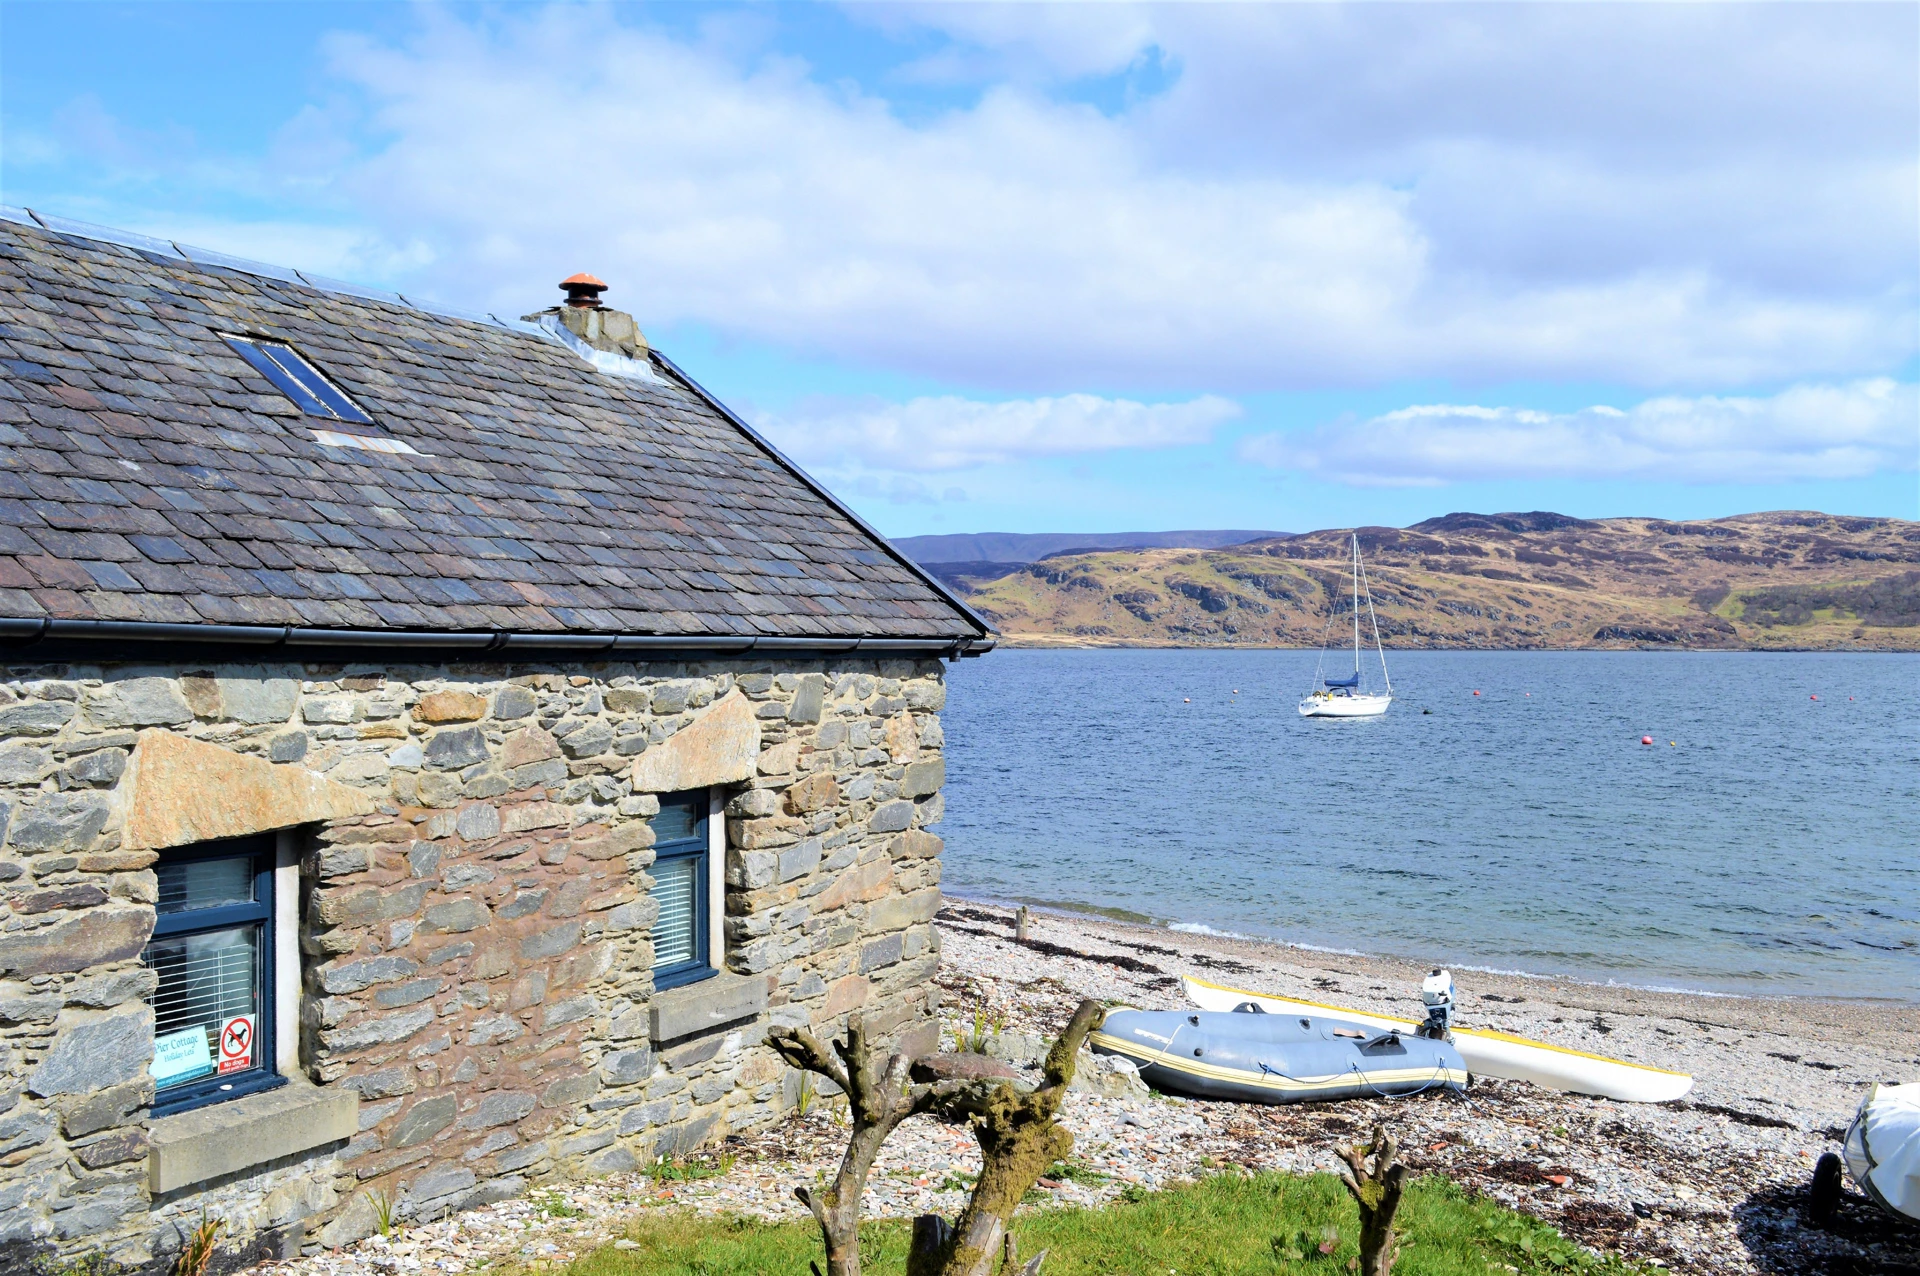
(554, 1205)
(688, 1169)
(1226, 1225)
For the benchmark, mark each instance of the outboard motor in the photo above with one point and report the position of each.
(1437, 993)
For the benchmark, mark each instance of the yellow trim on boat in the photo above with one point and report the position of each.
(1488, 1034)
(1283, 1084)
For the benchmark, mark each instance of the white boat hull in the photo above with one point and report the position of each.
(1344, 706)
(1487, 1053)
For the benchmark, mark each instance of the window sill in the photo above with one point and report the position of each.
(224, 1138)
(206, 1092)
(719, 1002)
(682, 978)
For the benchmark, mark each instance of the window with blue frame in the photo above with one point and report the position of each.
(295, 376)
(681, 944)
(212, 948)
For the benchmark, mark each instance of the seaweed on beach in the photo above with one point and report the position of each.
(1047, 949)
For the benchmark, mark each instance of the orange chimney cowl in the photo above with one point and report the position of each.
(583, 290)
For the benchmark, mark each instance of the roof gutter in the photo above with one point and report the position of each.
(846, 511)
(43, 634)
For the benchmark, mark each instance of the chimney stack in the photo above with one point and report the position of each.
(601, 327)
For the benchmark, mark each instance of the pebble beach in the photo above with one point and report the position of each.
(1713, 1183)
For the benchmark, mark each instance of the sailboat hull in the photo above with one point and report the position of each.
(1344, 706)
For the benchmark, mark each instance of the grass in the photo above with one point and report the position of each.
(1227, 1225)
(689, 1169)
(554, 1205)
(986, 1026)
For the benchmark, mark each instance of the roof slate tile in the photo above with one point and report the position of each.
(146, 472)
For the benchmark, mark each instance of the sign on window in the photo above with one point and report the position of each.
(180, 1056)
(236, 1044)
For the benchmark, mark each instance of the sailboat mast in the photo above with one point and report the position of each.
(1356, 602)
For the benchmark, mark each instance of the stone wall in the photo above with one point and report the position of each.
(475, 935)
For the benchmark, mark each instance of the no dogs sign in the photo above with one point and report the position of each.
(236, 1043)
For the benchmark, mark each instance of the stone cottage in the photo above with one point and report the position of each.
(434, 748)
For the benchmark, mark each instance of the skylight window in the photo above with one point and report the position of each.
(299, 380)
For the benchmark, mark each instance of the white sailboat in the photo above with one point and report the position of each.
(1344, 697)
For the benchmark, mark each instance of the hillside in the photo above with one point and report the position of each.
(1764, 581)
(1012, 548)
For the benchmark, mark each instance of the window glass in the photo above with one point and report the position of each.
(205, 884)
(681, 816)
(207, 983)
(676, 888)
(212, 956)
(299, 380)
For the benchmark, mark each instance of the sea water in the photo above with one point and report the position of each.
(1766, 842)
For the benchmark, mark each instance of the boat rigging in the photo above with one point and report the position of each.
(1343, 697)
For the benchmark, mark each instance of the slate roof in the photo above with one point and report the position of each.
(148, 474)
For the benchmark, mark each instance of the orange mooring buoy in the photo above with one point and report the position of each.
(1476, 693)
(1646, 739)
(1813, 697)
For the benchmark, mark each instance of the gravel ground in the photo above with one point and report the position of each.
(1711, 1184)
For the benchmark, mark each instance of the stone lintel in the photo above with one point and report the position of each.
(222, 1138)
(711, 1004)
(179, 791)
(719, 747)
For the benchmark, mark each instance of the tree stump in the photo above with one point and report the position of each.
(879, 1098)
(1020, 1137)
(1376, 1190)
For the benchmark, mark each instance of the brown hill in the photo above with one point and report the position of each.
(1765, 581)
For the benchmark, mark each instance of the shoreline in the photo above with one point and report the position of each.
(1714, 1182)
(1758, 1010)
(1077, 642)
(1093, 913)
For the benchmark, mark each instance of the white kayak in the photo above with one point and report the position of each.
(1487, 1053)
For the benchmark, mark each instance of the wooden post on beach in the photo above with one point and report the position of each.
(1020, 925)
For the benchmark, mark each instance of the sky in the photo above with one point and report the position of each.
(1082, 267)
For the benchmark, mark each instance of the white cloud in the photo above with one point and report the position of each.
(1806, 432)
(1324, 196)
(1268, 197)
(949, 433)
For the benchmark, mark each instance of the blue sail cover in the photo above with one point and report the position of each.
(1353, 681)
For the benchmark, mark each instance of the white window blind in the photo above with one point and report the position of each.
(676, 890)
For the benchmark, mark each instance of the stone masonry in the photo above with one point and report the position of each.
(475, 923)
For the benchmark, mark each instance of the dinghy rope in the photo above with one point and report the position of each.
(1441, 1076)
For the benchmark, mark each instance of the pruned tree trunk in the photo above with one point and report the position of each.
(1019, 1138)
(1377, 1192)
(878, 1099)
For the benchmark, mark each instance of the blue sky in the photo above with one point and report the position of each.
(1098, 267)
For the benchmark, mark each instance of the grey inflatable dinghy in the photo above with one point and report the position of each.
(1262, 1058)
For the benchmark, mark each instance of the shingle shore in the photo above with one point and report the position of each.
(1712, 1184)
